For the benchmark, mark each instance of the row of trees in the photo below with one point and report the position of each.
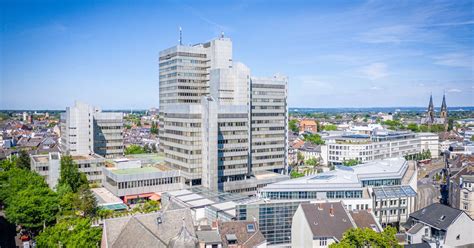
(419, 156)
(351, 162)
(61, 218)
(136, 149)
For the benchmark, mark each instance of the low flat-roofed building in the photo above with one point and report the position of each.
(106, 200)
(393, 204)
(143, 182)
(48, 165)
(345, 182)
(206, 205)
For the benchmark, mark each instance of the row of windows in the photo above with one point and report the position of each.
(313, 194)
(146, 183)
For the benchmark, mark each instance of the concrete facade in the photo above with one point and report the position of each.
(214, 115)
(86, 129)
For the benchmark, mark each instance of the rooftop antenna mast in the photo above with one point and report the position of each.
(180, 36)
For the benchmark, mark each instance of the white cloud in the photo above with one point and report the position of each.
(454, 60)
(375, 71)
(454, 90)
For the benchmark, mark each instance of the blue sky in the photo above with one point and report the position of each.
(336, 53)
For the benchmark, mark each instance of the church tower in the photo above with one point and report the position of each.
(430, 114)
(444, 109)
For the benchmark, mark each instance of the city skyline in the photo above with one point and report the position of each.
(343, 54)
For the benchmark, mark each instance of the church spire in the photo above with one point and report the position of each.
(444, 108)
(430, 112)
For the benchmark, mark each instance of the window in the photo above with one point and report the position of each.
(465, 206)
(323, 241)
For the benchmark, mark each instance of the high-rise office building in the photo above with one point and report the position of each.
(212, 113)
(86, 130)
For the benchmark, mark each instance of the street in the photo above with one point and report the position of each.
(428, 193)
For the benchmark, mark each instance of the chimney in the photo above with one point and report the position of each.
(320, 206)
(331, 211)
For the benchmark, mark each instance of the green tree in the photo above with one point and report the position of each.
(293, 125)
(85, 202)
(329, 127)
(33, 207)
(358, 237)
(295, 174)
(311, 162)
(314, 139)
(15, 180)
(23, 161)
(299, 157)
(75, 232)
(154, 128)
(8, 163)
(351, 162)
(134, 149)
(70, 174)
(413, 127)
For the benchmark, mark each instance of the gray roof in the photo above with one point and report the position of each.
(143, 230)
(238, 231)
(414, 229)
(209, 236)
(325, 224)
(437, 215)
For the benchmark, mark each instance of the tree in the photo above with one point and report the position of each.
(295, 174)
(358, 237)
(75, 232)
(23, 161)
(134, 149)
(293, 125)
(351, 162)
(311, 161)
(33, 207)
(299, 156)
(85, 202)
(329, 127)
(314, 139)
(15, 180)
(154, 128)
(70, 175)
(8, 163)
(413, 127)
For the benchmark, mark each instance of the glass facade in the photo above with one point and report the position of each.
(381, 182)
(274, 219)
(312, 195)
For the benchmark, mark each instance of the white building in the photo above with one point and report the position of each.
(86, 130)
(430, 142)
(49, 166)
(440, 226)
(381, 185)
(213, 115)
(380, 144)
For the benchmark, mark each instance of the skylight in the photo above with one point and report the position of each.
(250, 228)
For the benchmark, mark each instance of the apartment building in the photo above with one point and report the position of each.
(86, 129)
(219, 126)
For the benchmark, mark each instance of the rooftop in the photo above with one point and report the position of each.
(385, 192)
(327, 219)
(132, 171)
(437, 215)
(345, 177)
